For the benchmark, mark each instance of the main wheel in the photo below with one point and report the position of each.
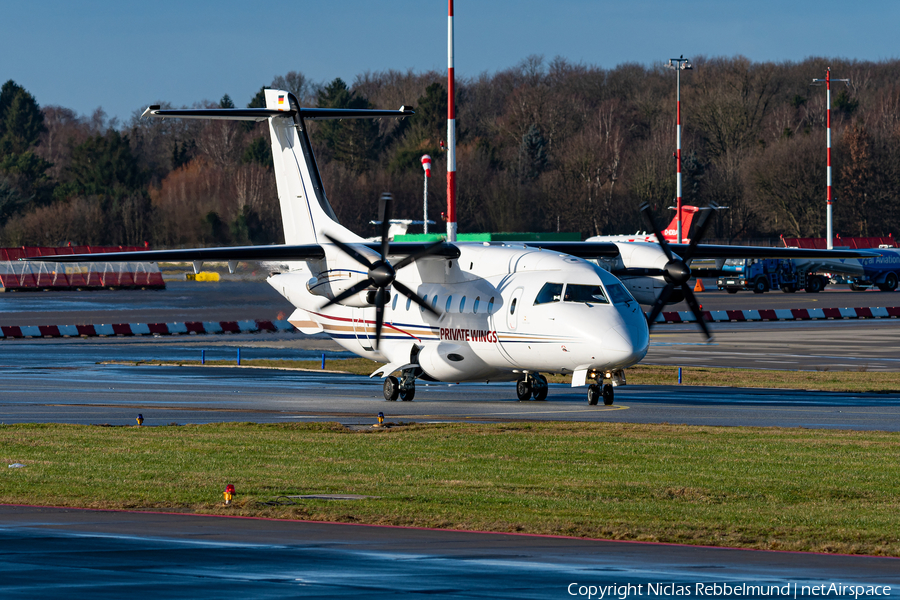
(523, 390)
(407, 394)
(760, 285)
(391, 388)
(593, 394)
(788, 289)
(815, 285)
(608, 395)
(890, 283)
(540, 389)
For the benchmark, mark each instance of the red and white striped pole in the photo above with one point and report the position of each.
(679, 64)
(678, 156)
(829, 233)
(451, 133)
(426, 164)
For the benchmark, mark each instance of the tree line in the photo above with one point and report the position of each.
(543, 146)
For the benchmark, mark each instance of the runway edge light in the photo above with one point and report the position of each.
(140, 420)
(229, 494)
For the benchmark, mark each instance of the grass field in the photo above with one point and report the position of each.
(842, 381)
(797, 489)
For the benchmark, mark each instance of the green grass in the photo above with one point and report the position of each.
(836, 381)
(796, 489)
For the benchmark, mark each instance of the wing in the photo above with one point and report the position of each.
(302, 252)
(715, 251)
(611, 250)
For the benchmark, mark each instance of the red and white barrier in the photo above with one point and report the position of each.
(18, 275)
(130, 329)
(783, 314)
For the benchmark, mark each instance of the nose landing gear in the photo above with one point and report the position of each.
(595, 392)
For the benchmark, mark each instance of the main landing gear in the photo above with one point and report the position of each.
(403, 388)
(596, 391)
(533, 385)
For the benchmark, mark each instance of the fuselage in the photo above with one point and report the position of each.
(506, 311)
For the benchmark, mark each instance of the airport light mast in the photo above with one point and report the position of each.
(827, 81)
(678, 65)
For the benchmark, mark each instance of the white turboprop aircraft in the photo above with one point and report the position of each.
(459, 312)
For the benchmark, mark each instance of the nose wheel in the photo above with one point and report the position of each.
(596, 391)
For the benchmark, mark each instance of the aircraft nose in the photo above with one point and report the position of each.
(626, 344)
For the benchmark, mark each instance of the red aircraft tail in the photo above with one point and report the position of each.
(671, 231)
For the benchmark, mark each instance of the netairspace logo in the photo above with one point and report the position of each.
(726, 590)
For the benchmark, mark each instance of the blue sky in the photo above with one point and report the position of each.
(123, 56)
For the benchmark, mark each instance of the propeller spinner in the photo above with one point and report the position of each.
(676, 272)
(382, 273)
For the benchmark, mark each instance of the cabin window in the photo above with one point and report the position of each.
(408, 303)
(421, 308)
(462, 304)
(512, 307)
(491, 306)
(551, 292)
(434, 301)
(475, 305)
(394, 303)
(449, 301)
(585, 293)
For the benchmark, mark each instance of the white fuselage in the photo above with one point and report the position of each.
(493, 326)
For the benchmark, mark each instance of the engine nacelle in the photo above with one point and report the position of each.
(332, 283)
(639, 267)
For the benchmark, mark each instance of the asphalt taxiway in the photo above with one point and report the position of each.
(102, 554)
(66, 381)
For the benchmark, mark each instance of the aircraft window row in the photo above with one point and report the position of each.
(462, 304)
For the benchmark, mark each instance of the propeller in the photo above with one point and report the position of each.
(677, 271)
(381, 273)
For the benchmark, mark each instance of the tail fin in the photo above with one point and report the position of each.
(305, 212)
(687, 216)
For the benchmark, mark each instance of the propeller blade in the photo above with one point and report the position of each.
(702, 226)
(379, 314)
(414, 297)
(658, 305)
(695, 308)
(645, 209)
(385, 224)
(347, 293)
(348, 250)
(414, 257)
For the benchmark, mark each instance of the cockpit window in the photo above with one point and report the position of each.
(551, 292)
(585, 293)
(619, 294)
